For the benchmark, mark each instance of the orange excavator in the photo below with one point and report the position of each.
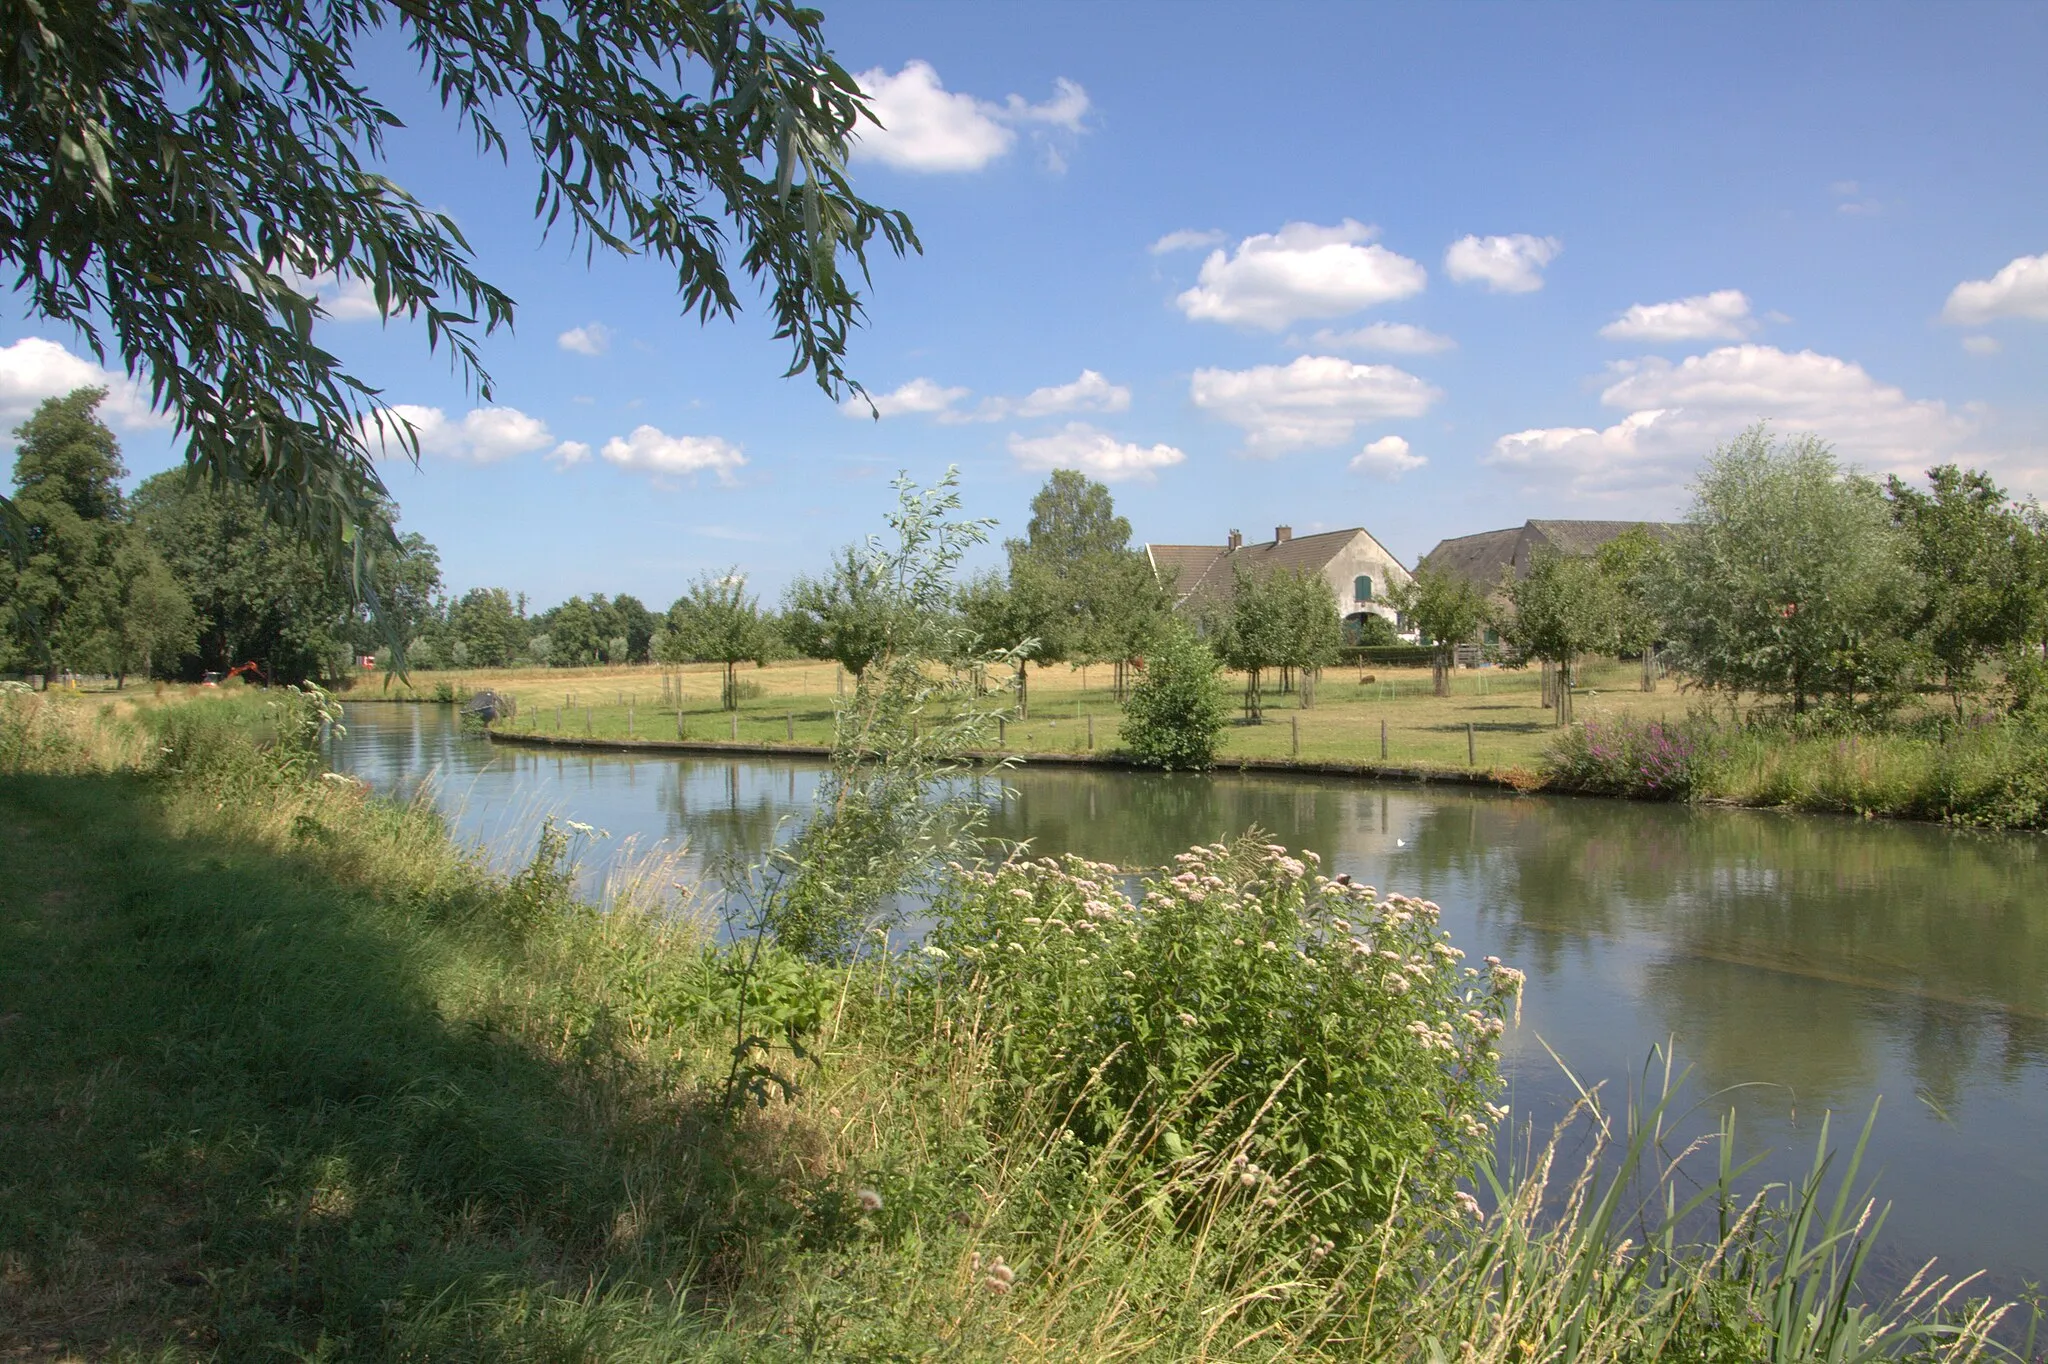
(245, 670)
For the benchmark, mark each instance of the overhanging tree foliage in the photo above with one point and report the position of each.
(174, 179)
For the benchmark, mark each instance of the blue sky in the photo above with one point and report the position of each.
(1429, 270)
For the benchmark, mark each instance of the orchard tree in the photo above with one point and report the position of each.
(1631, 563)
(178, 180)
(1129, 611)
(1446, 609)
(1563, 610)
(1313, 631)
(1789, 578)
(1019, 614)
(1971, 547)
(1063, 573)
(715, 621)
(1251, 634)
(843, 614)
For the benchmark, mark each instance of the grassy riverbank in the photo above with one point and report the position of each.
(284, 1073)
(792, 702)
(1992, 772)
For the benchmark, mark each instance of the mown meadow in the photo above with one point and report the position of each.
(287, 1073)
(1985, 769)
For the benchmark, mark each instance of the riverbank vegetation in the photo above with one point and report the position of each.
(288, 1073)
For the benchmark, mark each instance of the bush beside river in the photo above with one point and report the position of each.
(288, 1073)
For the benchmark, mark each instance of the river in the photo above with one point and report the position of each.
(1799, 964)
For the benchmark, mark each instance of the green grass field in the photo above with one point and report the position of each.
(1073, 710)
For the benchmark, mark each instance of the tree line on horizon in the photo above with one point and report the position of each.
(1792, 578)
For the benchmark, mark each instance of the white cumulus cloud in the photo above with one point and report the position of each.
(569, 454)
(1393, 338)
(1089, 393)
(1981, 345)
(483, 435)
(594, 339)
(918, 396)
(1186, 239)
(1080, 446)
(342, 298)
(651, 450)
(919, 125)
(1388, 457)
(1316, 400)
(1505, 265)
(1720, 316)
(1302, 271)
(2018, 290)
(33, 369)
(1675, 414)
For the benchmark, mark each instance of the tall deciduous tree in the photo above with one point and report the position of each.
(1446, 609)
(1089, 596)
(153, 623)
(259, 592)
(1788, 578)
(175, 178)
(485, 625)
(64, 590)
(716, 621)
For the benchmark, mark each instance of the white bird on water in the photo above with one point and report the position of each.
(1400, 842)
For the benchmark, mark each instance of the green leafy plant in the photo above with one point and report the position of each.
(1243, 1004)
(1176, 714)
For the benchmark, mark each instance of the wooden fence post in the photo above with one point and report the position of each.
(1471, 748)
(789, 722)
(629, 719)
(735, 717)
(1383, 741)
(1294, 737)
(1091, 732)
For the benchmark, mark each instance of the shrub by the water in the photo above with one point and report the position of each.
(1176, 714)
(1629, 756)
(1244, 1005)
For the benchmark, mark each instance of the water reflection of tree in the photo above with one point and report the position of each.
(1142, 821)
(731, 811)
(1787, 948)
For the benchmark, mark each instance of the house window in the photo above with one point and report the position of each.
(1361, 588)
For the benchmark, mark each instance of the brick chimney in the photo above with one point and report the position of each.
(1282, 534)
(1236, 538)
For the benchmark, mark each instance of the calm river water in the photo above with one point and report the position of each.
(1820, 964)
